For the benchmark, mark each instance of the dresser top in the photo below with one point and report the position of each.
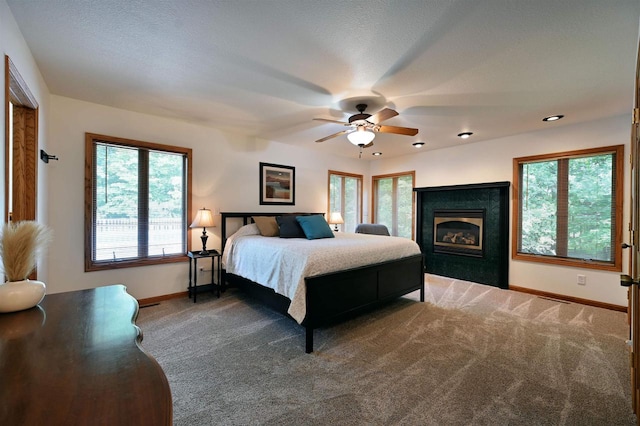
(76, 358)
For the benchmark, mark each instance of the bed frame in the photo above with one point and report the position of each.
(340, 295)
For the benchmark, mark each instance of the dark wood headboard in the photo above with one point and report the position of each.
(247, 219)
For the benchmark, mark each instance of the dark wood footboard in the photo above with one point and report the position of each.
(338, 296)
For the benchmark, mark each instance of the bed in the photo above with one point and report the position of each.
(318, 282)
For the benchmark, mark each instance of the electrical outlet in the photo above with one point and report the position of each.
(582, 279)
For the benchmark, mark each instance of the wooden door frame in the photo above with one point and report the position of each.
(634, 256)
(24, 181)
(18, 93)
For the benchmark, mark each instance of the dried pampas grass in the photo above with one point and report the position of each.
(21, 244)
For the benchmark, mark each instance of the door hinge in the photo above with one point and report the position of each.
(636, 115)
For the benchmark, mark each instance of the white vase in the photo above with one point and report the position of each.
(21, 295)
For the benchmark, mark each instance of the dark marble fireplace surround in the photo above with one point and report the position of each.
(490, 201)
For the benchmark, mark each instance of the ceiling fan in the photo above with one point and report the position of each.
(363, 126)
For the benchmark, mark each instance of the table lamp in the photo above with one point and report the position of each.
(203, 219)
(335, 218)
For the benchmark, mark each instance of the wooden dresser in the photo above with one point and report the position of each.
(76, 360)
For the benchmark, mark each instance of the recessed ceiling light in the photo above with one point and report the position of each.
(418, 144)
(464, 135)
(553, 118)
(377, 154)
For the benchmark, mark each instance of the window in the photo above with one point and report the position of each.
(345, 196)
(393, 202)
(137, 198)
(568, 208)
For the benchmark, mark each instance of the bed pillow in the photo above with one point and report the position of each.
(289, 227)
(267, 225)
(251, 229)
(314, 227)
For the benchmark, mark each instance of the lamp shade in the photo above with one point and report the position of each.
(204, 219)
(335, 217)
(361, 136)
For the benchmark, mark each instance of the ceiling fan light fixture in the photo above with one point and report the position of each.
(465, 135)
(361, 136)
(418, 144)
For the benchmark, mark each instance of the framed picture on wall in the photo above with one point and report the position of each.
(277, 184)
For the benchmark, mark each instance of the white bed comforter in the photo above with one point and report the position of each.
(283, 263)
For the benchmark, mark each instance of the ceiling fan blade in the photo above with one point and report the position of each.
(331, 121)
(370, 144)
(382, 115)
(333, 135)
(398, 130)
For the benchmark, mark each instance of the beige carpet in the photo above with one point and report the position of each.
(471, 355)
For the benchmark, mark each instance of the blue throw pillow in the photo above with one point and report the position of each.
(315, 226)
(289, 227)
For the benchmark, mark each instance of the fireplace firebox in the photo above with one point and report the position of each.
(459, 232)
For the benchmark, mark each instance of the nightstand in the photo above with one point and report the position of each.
(215, 256)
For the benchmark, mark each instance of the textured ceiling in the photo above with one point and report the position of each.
(267, 68)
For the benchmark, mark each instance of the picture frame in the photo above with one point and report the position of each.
(277, 184)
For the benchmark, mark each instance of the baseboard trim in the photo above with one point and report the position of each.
(569, 298)
(158, 299)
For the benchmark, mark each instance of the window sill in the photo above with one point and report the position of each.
(576, 263)
(107, 265)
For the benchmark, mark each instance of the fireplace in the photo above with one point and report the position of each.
(459, 232)
(483, 205)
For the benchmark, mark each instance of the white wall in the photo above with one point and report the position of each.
(13, 44)
(225, 178)
(491, 161)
